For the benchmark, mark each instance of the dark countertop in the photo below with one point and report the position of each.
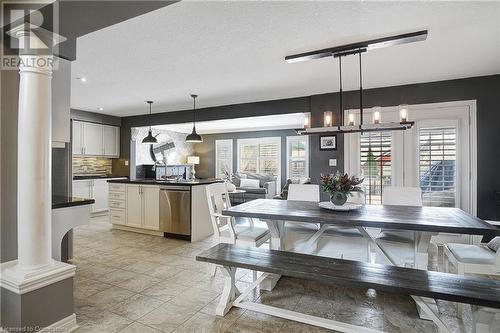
(96, 177)
(166, 182)
(59, 201)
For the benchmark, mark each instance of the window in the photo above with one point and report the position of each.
(376, 166)
(437, 166)
(223, 157)
(297, 152)
(438, 154)
(261, 155)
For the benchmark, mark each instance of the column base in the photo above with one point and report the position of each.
(39, 300)
(21, 281)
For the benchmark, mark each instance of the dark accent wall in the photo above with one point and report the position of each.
(485, 90)
(94, 117)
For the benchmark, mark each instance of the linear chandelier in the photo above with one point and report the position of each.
(352, 49)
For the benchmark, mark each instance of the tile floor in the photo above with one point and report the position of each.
(128, 282)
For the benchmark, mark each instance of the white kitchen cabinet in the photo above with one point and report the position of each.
(92, 139)
(100, 195)
(82, 189)
(96, 189)
(134, 205)
(151, 207)
(77, 143)
(111, 140)
(143, 207)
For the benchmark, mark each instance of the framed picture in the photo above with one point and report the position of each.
(328, 142)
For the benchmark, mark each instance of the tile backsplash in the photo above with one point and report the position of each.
(92, 165)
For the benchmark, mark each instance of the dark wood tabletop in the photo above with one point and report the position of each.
(430, 219)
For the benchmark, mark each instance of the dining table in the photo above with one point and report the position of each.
(425, 222)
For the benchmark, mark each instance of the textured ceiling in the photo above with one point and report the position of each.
(232, 52)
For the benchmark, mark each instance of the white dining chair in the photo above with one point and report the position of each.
(296, 233)
(481, 259)
(345, 242)
(227, 229)
(399, 245)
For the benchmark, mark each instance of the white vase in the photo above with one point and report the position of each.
(230, 187)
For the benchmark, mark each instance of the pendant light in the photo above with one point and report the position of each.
(358, 49)
(194, 137)
(150, 139)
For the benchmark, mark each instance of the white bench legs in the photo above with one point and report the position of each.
(276, 228)
(229, 293)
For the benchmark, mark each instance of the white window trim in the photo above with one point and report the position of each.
(258, 141)
(417, 111)
(230, 141)
(296, 138)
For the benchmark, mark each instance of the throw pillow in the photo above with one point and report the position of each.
(494, 244)
(249, 183)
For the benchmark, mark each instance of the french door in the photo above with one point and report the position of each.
(438, 154)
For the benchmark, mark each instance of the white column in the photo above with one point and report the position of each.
(34, 267)
(34, 193)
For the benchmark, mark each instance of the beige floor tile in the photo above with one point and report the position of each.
(116, 276)
(296, 327)
(89, 287)
(136, 306)
(108, 322)
(139, 283)
(164, 290)
(108, 297)
(164, 272)
(195, 298)
(141, 266)
(167, 317)
(137, 327)
(204, 323)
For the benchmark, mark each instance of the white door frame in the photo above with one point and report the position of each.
(419, 112)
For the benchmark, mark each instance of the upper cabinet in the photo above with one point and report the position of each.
(61, 95)
(111, 140)
(91, 139)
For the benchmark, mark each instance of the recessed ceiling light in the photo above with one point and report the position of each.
(83, 79)
(100, 109)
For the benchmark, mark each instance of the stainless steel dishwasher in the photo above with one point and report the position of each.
(175, 210)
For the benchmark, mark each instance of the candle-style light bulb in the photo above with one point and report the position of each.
(351, 119)
(328, 118)
(376, 115)
(403, 113)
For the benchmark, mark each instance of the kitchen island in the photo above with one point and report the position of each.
(176, 209)
(67, 213)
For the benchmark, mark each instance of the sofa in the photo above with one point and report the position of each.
(266, 188)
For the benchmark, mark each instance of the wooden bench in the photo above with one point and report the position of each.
(479, 292)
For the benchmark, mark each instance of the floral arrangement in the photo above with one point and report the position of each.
(339, 186)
